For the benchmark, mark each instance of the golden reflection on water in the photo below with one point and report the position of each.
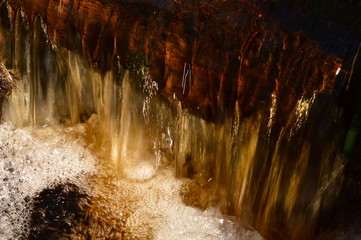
(240, 165)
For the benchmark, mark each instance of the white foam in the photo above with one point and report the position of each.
(141, 171)
(156, 203)
(34, 159)
(31, 160)
(178, 221)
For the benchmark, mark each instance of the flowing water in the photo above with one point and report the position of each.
(37, 158)
(111, 134)
(108, 134)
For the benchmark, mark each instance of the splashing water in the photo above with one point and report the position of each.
(150, 88)
(30, 161)
(121, 155)
(301, 112)
(34, 159)
(272, 113)
(266, 177)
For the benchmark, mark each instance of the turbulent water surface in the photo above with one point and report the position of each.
(111, 134)
(33, 159)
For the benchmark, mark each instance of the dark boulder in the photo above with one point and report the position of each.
(56, 210)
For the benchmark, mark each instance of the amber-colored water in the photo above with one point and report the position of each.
(278, 179)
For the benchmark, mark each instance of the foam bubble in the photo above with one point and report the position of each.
(157, 204)
(34, 159)
(31, 160)
(139, 171)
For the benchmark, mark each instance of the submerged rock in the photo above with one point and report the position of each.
(56, 210)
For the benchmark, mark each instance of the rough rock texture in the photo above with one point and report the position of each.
(210, 54)
(5, 81)
(56, 210)
(5, 84)
(207, 53)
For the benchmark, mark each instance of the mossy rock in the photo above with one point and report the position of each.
(137, 60)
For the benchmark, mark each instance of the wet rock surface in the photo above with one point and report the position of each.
(209, 54)
(33, 181)
(5, 83)
(56, 210)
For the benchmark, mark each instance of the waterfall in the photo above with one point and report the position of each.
(250, 167)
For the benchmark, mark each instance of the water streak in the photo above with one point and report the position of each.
(247, 166)
(120, 120)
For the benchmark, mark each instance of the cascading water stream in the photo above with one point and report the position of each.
(247, 166)
(107, 133)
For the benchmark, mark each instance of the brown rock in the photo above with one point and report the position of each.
(231, 50)
(5, 84)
